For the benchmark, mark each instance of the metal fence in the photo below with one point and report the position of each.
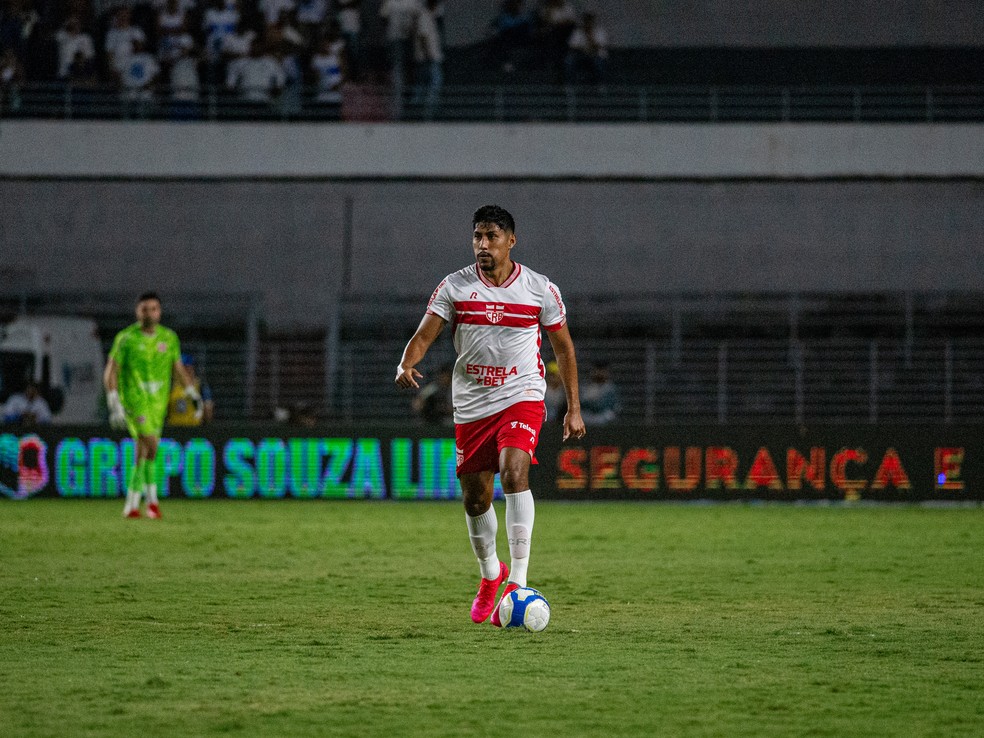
(513, 103)
(745, 380)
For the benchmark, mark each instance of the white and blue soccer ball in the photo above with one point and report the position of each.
(524, 608)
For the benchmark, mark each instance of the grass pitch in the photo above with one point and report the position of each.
(351, 619)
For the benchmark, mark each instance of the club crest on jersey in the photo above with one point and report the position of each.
(495, 313)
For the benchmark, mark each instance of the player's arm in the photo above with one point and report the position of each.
(427, 332)
(111, 381)
(563, 348)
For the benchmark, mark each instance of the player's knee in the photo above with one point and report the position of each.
(514, 479)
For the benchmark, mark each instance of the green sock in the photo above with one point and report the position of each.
(135, 486)
(150, 480)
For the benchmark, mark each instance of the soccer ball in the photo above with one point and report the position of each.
(524, 608)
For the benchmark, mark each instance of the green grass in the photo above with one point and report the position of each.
(351, 618)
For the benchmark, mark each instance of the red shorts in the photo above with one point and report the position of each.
(478, 444)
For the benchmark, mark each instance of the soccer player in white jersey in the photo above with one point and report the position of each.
(496, 307)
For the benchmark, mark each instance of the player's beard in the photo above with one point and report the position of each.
(486, 262)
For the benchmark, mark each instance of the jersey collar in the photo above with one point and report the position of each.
(513, 276)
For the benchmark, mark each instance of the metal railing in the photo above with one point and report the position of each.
(515, 103)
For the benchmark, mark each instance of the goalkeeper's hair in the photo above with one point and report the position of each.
(494, 214)
(148, 296)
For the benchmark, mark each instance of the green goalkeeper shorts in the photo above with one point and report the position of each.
(146, 419)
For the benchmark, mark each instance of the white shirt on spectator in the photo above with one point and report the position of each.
(327, 68)
(349, 17)
(579, 41)
(173, 45)
(272, 9)
(119, 41)
(70, 44)
(185, 83)
(217, 24)
(238, 44)
(401, 18)
(18, 406)
(256, 78)
(137, 72)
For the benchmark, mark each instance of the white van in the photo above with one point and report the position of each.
(63, 356)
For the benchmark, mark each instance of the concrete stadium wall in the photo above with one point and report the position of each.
(285, 238)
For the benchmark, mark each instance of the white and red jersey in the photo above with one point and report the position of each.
(496, 333)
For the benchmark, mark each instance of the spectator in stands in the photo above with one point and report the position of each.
(433, 402)
(171, 16)
(82, 72)
(181, 410)
(72, 41)
(185, 84)
(271, 9)
(429, 56)
(236, 44)
(350, 22)
(513, 34)
(11, 79)
(400, 17)
(136, 71)
(27, 407)
(219, 21)
(257, 78)
(600, 403)
(554, 398)
(18, 19)
(556, 20)
(587, 55)
(328, 66)
(121, 38)
(311, 15)
(173, 42)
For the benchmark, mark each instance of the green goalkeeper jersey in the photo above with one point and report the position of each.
(145, 363)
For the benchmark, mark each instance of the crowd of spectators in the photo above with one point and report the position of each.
(265, 50)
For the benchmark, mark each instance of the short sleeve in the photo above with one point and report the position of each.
(115, 353)
(440, 303)
(554, 315)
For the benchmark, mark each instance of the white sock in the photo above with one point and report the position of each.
(151, 494)
(481, 532)
(132, 501)
(519, 528)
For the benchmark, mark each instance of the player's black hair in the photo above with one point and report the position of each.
(148, 296)
(494, 214)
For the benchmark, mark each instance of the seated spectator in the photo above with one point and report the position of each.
(82, 72)
(257, 78)
(18, 20)
(311, 15)
(328, 67)
(433, 402)
(27, 407)
(350, 22)
(271, 9)
(180, 410)
(600, 403)
(587, 55)
(11, 79)
(400, 17)
(219, 21)
(136, 71)
(72, 42)
(429, 57)
(172, 44)
(556, 21)
(554, 398)
(513, 33)
(185, 84)
(122, 37)
(171, 17)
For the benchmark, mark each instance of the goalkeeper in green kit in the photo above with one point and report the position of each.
(138, 385)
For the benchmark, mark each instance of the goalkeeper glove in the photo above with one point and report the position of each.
(117, 416)
(192, 393)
